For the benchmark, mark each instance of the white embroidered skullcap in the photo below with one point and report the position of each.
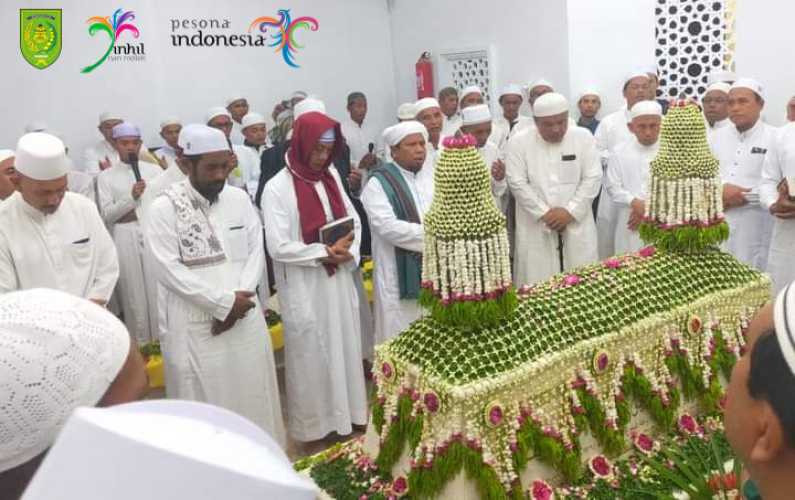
(57, 352)
(718, 86)
(588, 91)
(784, 321)
(511, 89)
(41, 156)
(6, 154)
(396, 133)
(216, 112)
(406, 111)
(539, 83)
(309, 105)
(233, 98)
(645, 108)
(109, 115)
(750, 84)
(178, 449)
(36, 126)
(125, 129)
(472, 89)
(252, 119)
(170, 120)
(197, 139)
(635, 73)
(425, 103)
(550, 104)
(722, 76)
(475, 114)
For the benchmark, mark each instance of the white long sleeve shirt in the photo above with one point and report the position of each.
(69, 250)
(114, 189)
(501, 130)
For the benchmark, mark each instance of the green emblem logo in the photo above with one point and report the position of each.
(40, 36)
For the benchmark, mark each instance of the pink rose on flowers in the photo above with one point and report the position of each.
(542, 491)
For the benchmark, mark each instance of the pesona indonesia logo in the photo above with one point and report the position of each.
(279, 33)
(115, 27)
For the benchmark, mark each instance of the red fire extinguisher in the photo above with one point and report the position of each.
(424, 69)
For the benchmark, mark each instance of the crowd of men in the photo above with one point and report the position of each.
(186, 242)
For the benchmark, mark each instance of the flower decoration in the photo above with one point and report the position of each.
(541, 490)
(432, 403)
(601, 467)
(494, 414)
(601, 361)
(694, 324)
(643, 443)
(400, 486)
(571, 280)
(612, 263)
(387, 371)
(647, 251)
(688, 425)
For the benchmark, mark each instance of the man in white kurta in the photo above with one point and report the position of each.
(390, 232)
(360, 134)
(741, 150)
(628, 174)
(612, 131)
(255, 142)
(120, 201)
(170, 128)
(451, 120)
(102, 155)
(246, 172)
(429, 113)
(237, 106)
(50, 238)
(320, 312)
(206, 240)
(476, 121)
(716, 107)
(777, 195)
(510, 122)
(553, 172)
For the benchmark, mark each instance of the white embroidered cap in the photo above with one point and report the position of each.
(396, 133)
(472, 89)
(234, 98)
(215, 112)
(309, 105)
(41, 156)
(57, 352)
(170, 120)
(645, 108)
(6, 154)
(511, 89)
(252, 119)
(425, 103)
(406, 111)
(718, 86)
(550, 104)
(109, 115)
(196, 139)
(750, 84)
(475, 114)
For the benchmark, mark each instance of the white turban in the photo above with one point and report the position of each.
(252, 119)
(6, 154)
(396, 133)
(178, 449)
(718, 86)
(309, 105)
(41, 156)
(216, 112)
(235, 97)
(406, 111)
(472, 89)
(645, 108)
(475, 114)
(750, 84)
(511, 89)
(197, 139)
(425, 103)
(107, 115)
(57, 352)
(550, 104)
(784, 321)
(170, 120)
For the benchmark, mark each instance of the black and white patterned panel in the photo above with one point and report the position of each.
(691, 42)
(471, 69)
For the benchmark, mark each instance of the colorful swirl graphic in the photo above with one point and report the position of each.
(285, 39)
(113, 27)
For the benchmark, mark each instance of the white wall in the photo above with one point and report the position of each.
(351, 49)
(529, 38)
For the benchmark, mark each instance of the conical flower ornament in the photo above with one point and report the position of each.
(466, 270)
(684, 211)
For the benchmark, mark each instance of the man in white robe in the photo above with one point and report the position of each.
(120, 201)
(741, 150)
(716, 107)
(169, 130)
(429, 113)
(405, 112)
(206, 240)
(255, 141)
(777, 195)
(102, 155)
(50, 238)
(318, 300)
(246, 171)
(477, 122)
(396, 201)
(470, 96)
(553, 172)
(588, 104)
(510, 121)
(628, 174)
(448, 103)
(238, 108)
(614, 130)
(7, 172)
(360, 136)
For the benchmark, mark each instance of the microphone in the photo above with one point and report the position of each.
(370, 148)
(132, 159)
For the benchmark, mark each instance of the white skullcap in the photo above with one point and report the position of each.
(178, 449)
(6, 154)
(299, 94)
(550, 104)
(396, 133)
(36, 126)
(406, 111)
(719, 86)
(650, 70)
(538, 83)
(645, 108)
(235, 97)
(721, 76)
(425, 103)
(635, 73)
(196, 139)
(215, 112)
(57, 352)
(41, 156)
(252, 119)
(588, 91)
(170, 120)
(309, 105)
(784, 321)
(472, 89)
(108, 115)
(475, 114)
(125, 129)
(511, 89)
(750, 84)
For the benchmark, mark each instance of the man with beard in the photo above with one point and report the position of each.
(206, 240)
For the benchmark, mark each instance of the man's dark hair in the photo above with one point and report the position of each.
(771, 379)
(355, 95)
(448, 91)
